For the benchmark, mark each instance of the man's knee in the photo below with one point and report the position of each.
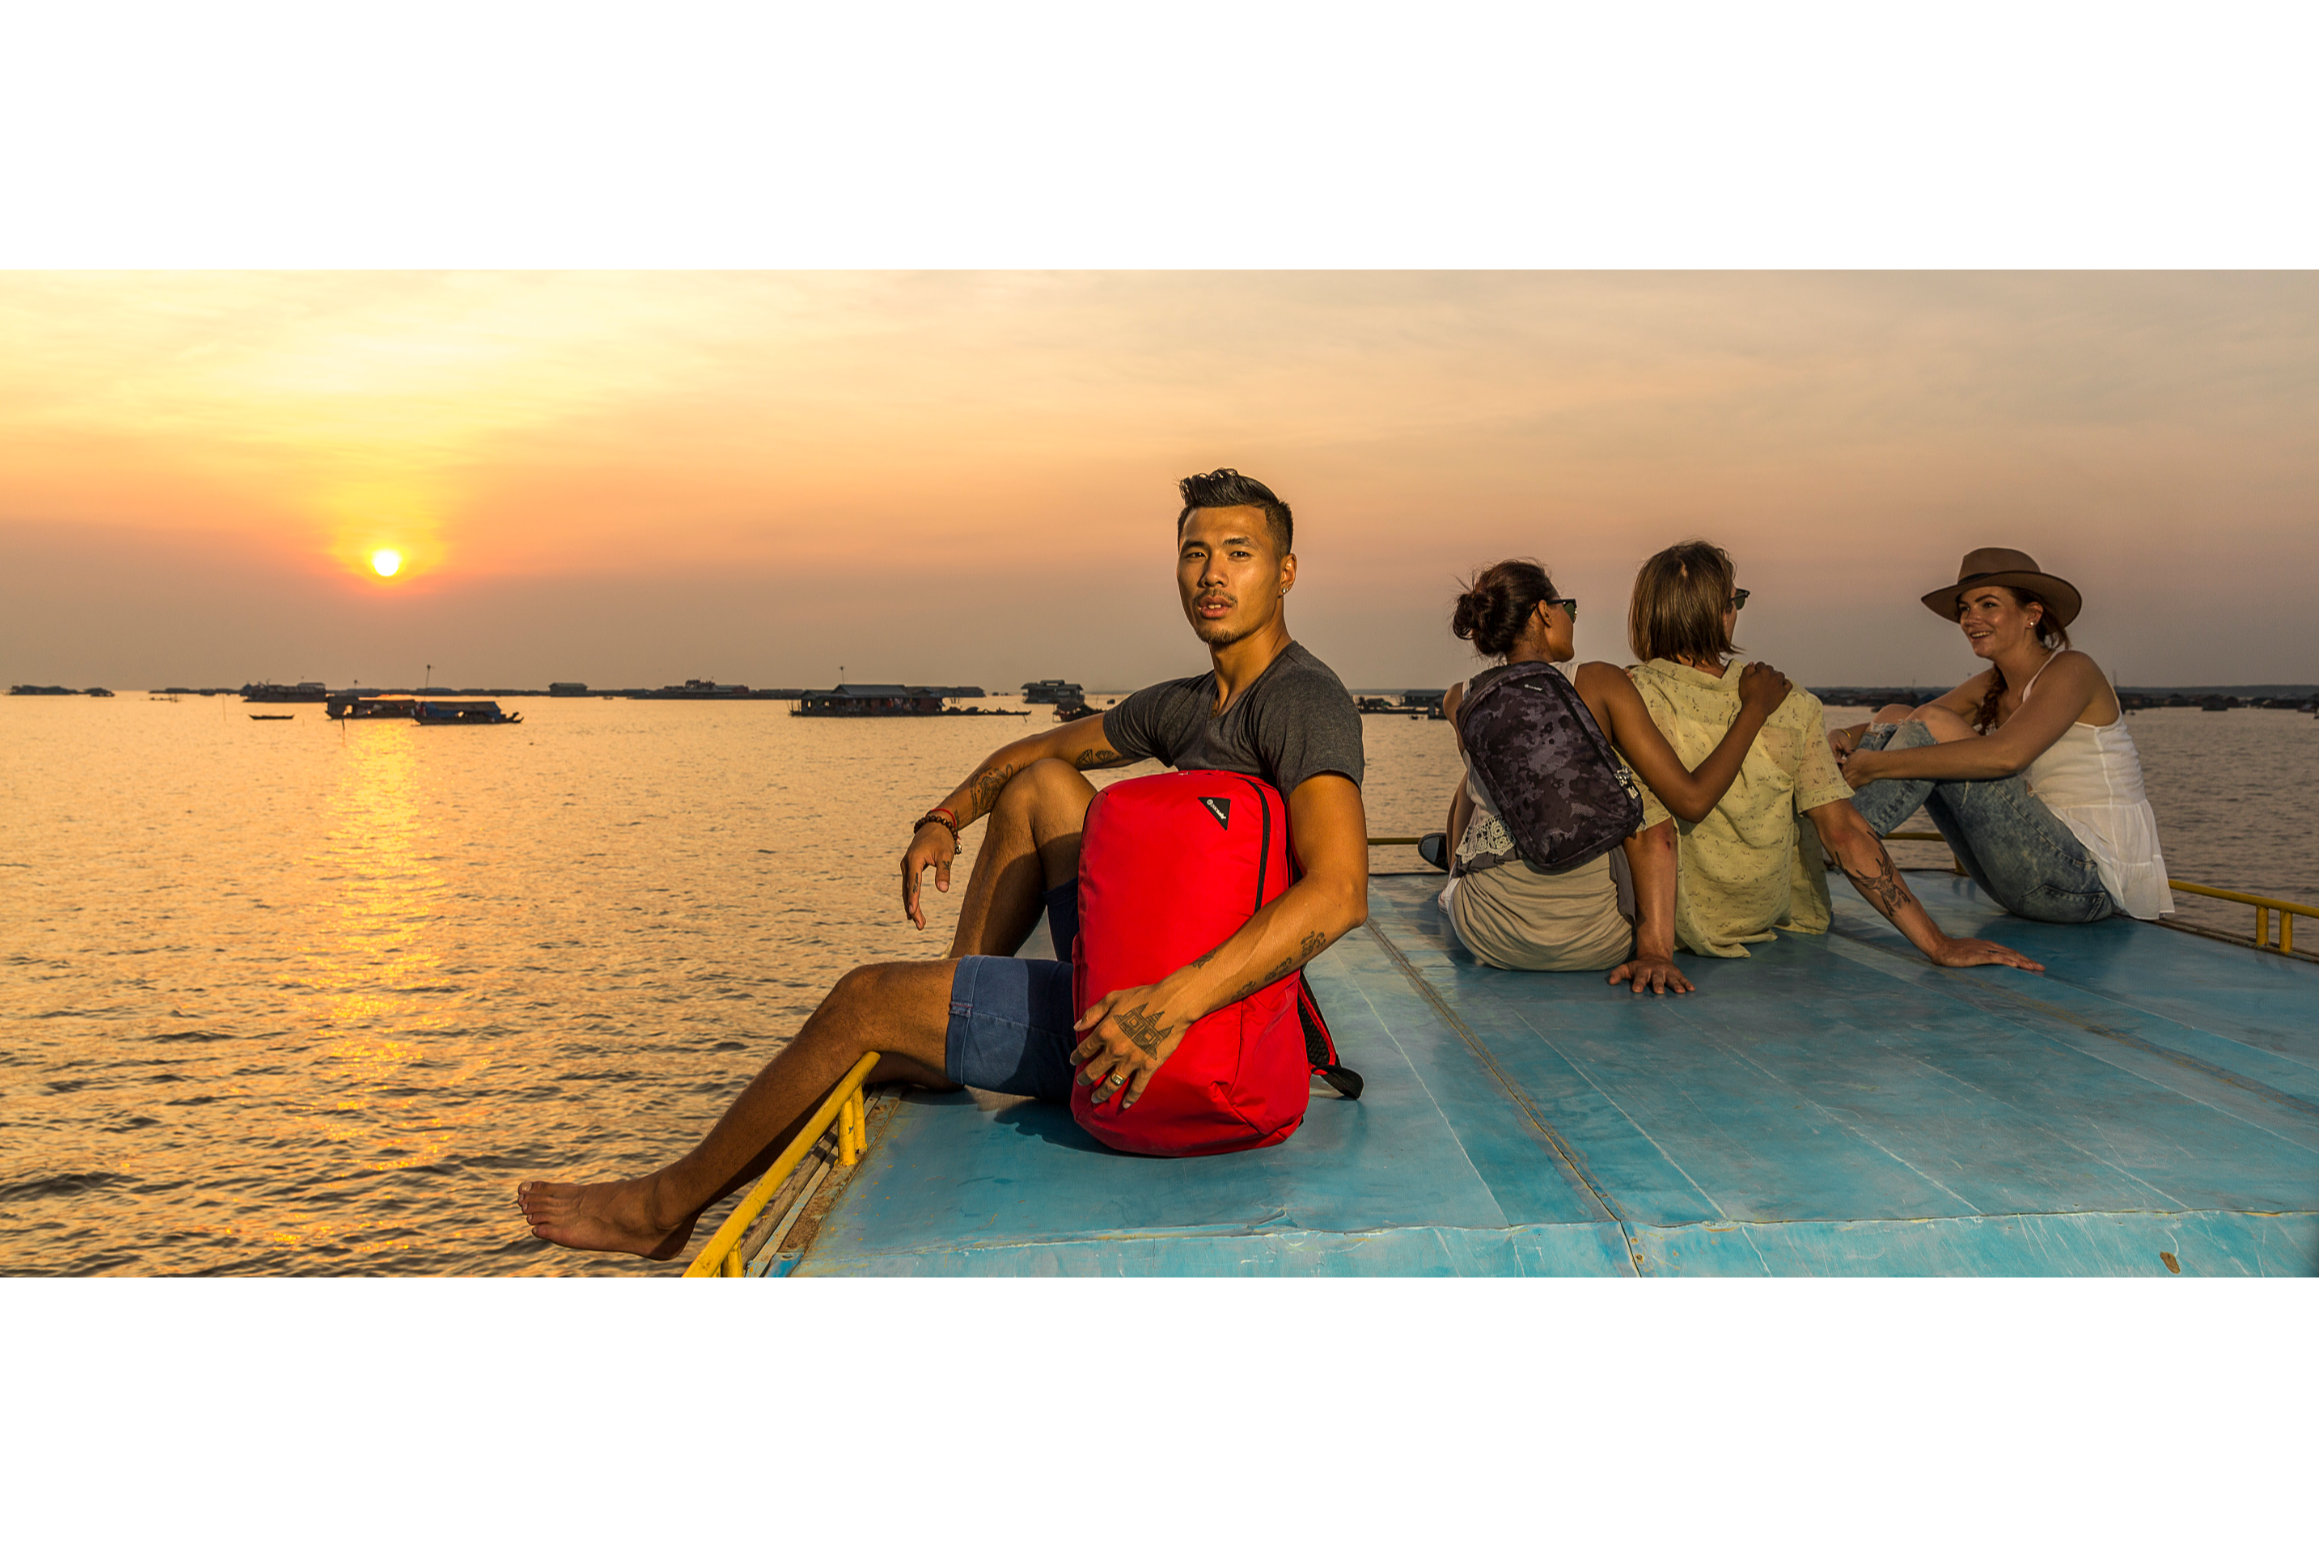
(878, 983)
(1047, 782)
(893, 1006)
(1049, 799)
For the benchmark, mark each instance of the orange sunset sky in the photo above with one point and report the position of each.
(629, 479)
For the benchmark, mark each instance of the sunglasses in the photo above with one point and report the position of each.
(1739, 599)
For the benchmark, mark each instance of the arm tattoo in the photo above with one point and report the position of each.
(1883, 887)
(1143, 1028)
(984, 791)
(1307, 949)
(1096, 757)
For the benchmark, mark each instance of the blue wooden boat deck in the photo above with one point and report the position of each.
(1834, 1105)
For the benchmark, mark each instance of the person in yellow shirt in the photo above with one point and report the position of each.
(1754, 863)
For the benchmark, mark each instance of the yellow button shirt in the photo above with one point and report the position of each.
(1754, 863)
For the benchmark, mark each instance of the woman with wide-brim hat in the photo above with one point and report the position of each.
(2027, 767)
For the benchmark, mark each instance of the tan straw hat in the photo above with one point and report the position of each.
(2007, 567)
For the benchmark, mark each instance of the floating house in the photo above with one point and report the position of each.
(369, 706)
(285, 693)
(870, 699)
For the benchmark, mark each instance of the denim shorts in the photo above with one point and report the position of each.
(1010, 1027)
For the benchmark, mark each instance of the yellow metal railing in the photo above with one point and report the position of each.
(843, 1108)
(2265, 907)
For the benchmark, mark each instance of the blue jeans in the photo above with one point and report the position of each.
(2017, 851)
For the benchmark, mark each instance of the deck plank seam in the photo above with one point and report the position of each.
(1865, 932)
(1565, 1156)
(861, 1260)
(2035, 1122)
(1579, 1072)
(1387, 1027)
(2012, 1006)
(1838, 1119)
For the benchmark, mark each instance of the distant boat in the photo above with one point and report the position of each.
(1051, 690)
(466, 712)
(1077, 709)
(285, 693)
(356, 706)
(273, 717)
(883, 701)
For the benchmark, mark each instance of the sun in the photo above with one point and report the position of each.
(386, 561)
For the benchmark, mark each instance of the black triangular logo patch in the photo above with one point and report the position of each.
(1220, 808)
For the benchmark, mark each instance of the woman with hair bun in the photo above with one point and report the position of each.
(1616, 909)
(1753, 863)
(2027, 768)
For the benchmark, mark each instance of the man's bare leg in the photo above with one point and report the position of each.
(900, 1010)
(1030, 847)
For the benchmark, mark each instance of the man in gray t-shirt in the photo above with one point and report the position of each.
(988, 1018)
(1267, 708)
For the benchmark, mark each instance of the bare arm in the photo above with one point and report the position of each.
(1964, 701)
(1081, 743)
(1691, 793)
(1651, 859)
(2064, 693)
(1132, 1031)
(1966, 698)
(1871, 870)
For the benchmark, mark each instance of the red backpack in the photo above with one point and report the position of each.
(1169, 866)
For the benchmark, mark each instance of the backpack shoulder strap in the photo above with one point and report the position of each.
(1321, 1048)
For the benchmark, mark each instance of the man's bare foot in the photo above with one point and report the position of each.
(602, 1217)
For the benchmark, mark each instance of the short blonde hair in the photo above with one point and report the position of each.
(1676, 611)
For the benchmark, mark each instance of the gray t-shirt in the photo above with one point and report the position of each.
(1294, 721)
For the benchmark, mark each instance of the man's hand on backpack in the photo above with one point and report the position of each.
(1128, 1036)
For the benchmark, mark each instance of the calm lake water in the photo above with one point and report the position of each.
(297, 997)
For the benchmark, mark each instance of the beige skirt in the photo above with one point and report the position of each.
(1526, 920)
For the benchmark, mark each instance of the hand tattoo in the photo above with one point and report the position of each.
(1883, 888)
(1143, 1027)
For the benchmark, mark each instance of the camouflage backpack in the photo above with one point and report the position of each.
(1547, 766)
